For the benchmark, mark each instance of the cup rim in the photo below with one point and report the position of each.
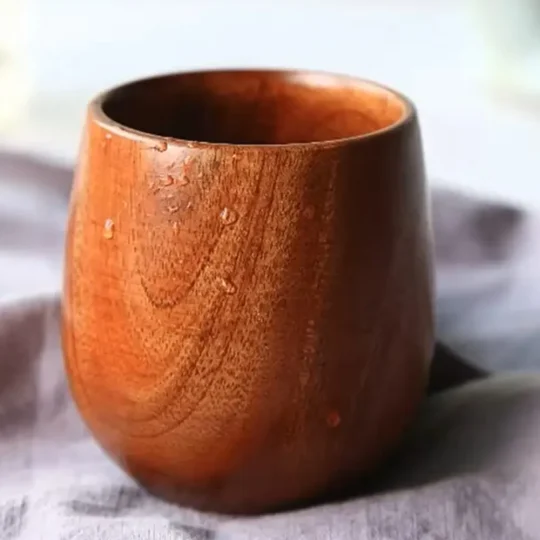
(98, 116)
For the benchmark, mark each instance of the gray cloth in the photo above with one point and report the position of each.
(468, 469)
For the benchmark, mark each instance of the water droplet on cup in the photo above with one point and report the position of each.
(227, 285)
(161, 146)
(183, 181)
(168, 180)
(333, 419)
(108, 136)
(173, 208)
(108, 229)
(228, 216)
(309, 212)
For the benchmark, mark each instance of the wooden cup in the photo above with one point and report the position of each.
(248, 301)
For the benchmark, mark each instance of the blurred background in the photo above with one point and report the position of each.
(472, 67)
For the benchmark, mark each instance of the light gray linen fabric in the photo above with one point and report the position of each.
(468, 469)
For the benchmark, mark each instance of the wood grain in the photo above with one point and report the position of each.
(247, 303)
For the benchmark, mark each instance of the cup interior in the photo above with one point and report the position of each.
(255, 107)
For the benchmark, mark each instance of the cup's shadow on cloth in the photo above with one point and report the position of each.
(448, 371)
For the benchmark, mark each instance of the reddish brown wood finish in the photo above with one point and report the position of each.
(248, 325)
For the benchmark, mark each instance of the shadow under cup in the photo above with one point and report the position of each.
(247, 308)
(255, 107)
